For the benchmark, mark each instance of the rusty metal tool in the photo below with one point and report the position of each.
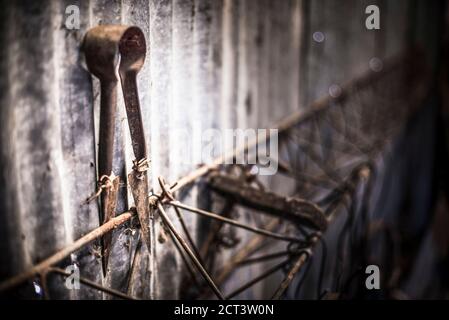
(298, 211)
(132, 49)
(114, 51)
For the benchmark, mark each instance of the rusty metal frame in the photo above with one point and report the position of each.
(299, 257)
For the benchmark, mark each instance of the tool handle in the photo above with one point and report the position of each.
(131, 97)
(108, 106)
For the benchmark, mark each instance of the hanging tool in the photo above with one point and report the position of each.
(112, 51)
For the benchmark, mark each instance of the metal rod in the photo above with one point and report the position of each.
(188, 235)
(60, 255)
(294, 209)
(263, 258)
(246, 251)
(44, 283)
(192, 256)
(132, 266)
(290, 276)
(236, 223)
(257, 279)
(93, 284)
(184, 259)
(214, 231)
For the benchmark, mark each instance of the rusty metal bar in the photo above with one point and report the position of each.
(206, 250)
(60, 255)
(263, 258)
(257, 279)
(296, 210)
(188, 235)
(246, 251)
(236, 223)
(192, 256)
(184, 259)
(291, 275)
(92, 284)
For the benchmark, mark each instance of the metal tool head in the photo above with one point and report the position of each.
(106, 46)
(100, 47)
(132, 48)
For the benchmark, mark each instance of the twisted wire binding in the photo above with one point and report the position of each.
(105, 182)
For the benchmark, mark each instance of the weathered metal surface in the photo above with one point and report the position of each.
(132, 48)
(138, 182)
(100, 46)
(216, 64)
(296, 210)
(109, 205)
(108, 48)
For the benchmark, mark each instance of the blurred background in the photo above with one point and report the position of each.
(368, 144)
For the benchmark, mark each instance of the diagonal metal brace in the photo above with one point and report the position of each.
(298, 211)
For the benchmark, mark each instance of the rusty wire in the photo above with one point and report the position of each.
(91, 284)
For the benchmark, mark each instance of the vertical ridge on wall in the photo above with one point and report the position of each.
(264, 74)
(36, 146)
(14, 256)
(77, 142)
(228, 78)
(216, 64)
(249, 100)
(161, 65)
(36, 149)
(182, 112)
(182, 108)
(67, 215)
(242, 63)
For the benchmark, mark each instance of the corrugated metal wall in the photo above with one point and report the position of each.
(210, 64)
